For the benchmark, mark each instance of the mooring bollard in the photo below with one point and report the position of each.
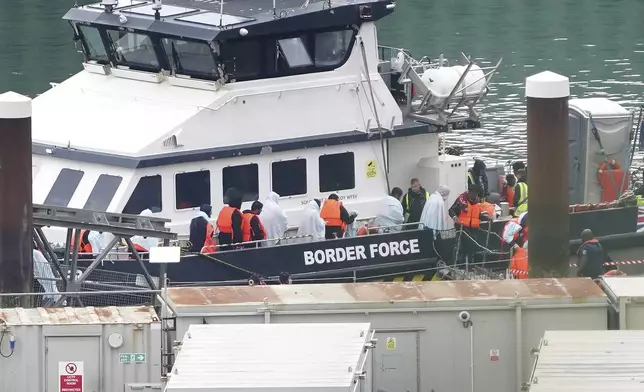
(16, 251)
(548, 202)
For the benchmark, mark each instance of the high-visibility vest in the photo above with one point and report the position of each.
(225, 219)
(523, 202)
(472, 216)
(247, 228)
(209, 244)
(519, 264)
(330, 213)
(407, 198)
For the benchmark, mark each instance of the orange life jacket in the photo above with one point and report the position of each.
(139, 248)
(209, 243)
(509, 195)
(84, 246)
(247, 229)
(519, 264)
(472, 216)
(225, 219)
(489, 209)
(330, 213)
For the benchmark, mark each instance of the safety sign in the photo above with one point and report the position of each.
(70, 375)
(391, 343)
(372, 169)
(494, 355)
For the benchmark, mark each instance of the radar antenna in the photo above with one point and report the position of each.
(156, 6)
(221, 13)
(109, 5)
(274, 14)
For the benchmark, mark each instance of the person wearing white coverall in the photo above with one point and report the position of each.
(434, 216)
(145, 242)
(390, 215)
(274, 219)
(311, 224)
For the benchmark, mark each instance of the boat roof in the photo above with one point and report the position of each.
(202, 20)
(86, 315)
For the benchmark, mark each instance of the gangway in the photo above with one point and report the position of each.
(121, 226)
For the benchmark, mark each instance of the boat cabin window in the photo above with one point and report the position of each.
(133, 50)
(332, 47)
(245, 178)
(192, 189)
(93, 44)
(64, 187)
(337, 172)
(147, 194)
(242, 59)
(294, 52)
(289, 177)
(103, 192)
(190, 58)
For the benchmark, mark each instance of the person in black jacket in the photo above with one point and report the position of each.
(199, 228)
(591, 256)
(477, 178)
(414, 202)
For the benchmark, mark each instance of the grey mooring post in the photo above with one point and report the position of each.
(16, 265)
(548, 195)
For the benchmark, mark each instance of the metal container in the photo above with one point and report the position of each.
(67, 346)
(273, 357)
(589, 361)
(626, 295)
(441, 336)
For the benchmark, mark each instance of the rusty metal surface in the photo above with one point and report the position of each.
(548, 177)
(574, 289)
(15, 206)
(87, 315)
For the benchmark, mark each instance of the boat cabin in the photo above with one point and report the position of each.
(180, 101)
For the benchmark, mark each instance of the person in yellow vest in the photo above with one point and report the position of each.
(335, 216)
(414, 202)
(477, 178)
(520, 201)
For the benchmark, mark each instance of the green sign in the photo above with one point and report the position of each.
(133, 357)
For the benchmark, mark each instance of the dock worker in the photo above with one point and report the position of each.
(414, 202)
(311, 227)
(390, 215)
(335, 216)
(515, 235)
(202, 232)
(274, 219)
(476, 176)
(520, 201)
(434, 216)
(591, 256)
(252, 227)
(229, 221)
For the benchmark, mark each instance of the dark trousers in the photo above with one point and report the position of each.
(332, 232)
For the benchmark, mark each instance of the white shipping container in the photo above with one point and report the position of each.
(91, 340)
(423, 343)
(589, 361)
(626, 295)
(273, 357)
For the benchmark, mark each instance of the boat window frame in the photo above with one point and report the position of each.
(158, 208)
(177, 180)
(268, 48)
(225, 189)
(97, 193)
(85, 46)
(156, 46)
(64, 187)
(306, 176)
(191, 74)
(320, 176)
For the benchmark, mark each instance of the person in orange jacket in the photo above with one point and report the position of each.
(515, 234)
(335, 216)
(229, 220)
(252, 227)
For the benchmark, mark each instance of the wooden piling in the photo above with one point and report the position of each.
(548, 174)
(16, 252)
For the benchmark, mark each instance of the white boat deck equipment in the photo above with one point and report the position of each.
(589, 361)
(276, 357)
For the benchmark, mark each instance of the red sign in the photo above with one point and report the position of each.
(71, 383)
